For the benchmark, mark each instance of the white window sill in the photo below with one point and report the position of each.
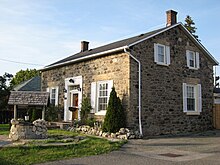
(100, 113)
(163, 64)
(193, 68)
(192, 113)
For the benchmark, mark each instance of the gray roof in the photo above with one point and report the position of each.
(92, 53)
(108, 46)
(28, 98)
(33, 84)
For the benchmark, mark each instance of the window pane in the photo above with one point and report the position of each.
(161, 53)
(53, 96)
(52, 101)
(191, 101)
(190, 104)
(103, 96)
(161, 58)
(192, 59)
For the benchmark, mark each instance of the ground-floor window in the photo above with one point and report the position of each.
(53, 95)
(192, 98)
(100, 92)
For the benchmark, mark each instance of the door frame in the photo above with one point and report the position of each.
(70, 82)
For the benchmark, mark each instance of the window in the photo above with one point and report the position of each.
(53, 95)
(102, 96)
(192, 59)
(100, 92)
(192, 101)
(161, 54)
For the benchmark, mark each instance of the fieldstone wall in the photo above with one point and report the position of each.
(25, 130)
(162, 97)
(114, 67)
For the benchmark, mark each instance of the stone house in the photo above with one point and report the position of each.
(164, 79)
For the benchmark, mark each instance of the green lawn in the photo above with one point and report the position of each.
(27, 155)
(4, 129)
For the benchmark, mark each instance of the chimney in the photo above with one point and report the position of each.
(84, 46)
(171, 17)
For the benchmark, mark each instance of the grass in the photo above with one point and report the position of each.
(32, 154)
(4, 129)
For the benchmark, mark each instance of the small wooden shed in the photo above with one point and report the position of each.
(28, 98)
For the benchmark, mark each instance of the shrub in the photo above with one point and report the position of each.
(51, 113)
(85, 110)
(115, 116)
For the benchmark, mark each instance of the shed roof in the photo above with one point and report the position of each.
(28, 98)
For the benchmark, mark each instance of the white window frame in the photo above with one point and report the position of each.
(196, 95)
(50, 89)
(195, 59)
(166, 52)
(95, 95)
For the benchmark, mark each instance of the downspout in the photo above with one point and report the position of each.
(139, 88)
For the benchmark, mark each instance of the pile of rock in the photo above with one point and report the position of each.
(25, 130)
(40, 128)
(123, 133)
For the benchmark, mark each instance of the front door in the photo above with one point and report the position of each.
(74, 104)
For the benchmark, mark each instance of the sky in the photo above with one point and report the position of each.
(35, 33)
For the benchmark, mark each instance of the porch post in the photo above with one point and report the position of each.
(43, 113)
(15, 112)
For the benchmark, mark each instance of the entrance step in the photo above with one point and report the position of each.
(59, 125)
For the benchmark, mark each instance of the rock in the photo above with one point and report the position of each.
(100, 133)
(124, 137)
(122, 131)
(127, 130)
(131, 137)
(113, 135)
(128, 134)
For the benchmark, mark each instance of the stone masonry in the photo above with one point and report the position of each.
(114, 67)
(162, 96)
(25, 130)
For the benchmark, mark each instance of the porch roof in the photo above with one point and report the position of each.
(34, 98)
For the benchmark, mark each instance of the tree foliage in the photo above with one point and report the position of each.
(4, 90)
(85, 109)
(115, 116)
(190, 26)
(24, 75)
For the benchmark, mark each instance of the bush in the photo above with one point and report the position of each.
(115, 116)
(51, 113)
(85, 110)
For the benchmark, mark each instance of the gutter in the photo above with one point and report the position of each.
(139, 88)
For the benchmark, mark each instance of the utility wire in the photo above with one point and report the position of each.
(20, 62)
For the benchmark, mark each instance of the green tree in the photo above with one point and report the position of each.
(24, 75)
(190, 26)
(4, 90)
(85, 109)
(115, 116)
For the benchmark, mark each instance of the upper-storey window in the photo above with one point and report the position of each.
(161, 54)
(192, 59)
